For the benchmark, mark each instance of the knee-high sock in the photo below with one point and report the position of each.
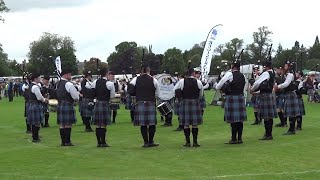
(240, 130)
(292, 121)
(256, 117)
(114, 115)
(46, 118)
(35, 135)
(28, 125)
(234, 130)
(280, 114)
(87, 122)
(144, 133)
(270, 126)
(266, 127)
(152, 131)
(195, 135)
(299, 121)
(62, 135)
(132, 116)
(187, 135)
(168, 118)
(68, 135)
(103, 135)
(98, 135)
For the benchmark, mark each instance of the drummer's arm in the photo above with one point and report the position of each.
(111, 88)
(200, 86)
(37, 92)
(156, 85)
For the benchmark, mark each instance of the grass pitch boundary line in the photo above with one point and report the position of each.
(194, 177)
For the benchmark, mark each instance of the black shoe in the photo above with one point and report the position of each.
(289, 133)
(266, 138)
(28, 132)
(284, 125)
(153, 144)
(255, 123)
(113, 122)
(46, 125)
(166, 125)
(196, 145)
(178, 129)
(98, 145)
(187, 145)
(36, 140)
(145, 146)
(298, 128)
(104, 145)
(231, 142)
(68, 144)
(279, 125)
(62, 144)
(89, 130)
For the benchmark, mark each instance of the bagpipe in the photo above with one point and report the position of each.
(265, 85)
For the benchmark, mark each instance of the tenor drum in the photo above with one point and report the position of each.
(164, 108)
(53, 103)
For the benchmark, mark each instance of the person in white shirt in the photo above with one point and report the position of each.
(67, 95)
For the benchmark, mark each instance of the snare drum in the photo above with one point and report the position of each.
(164, 108)
(53, 103)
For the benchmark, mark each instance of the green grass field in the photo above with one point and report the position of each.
(286, 157)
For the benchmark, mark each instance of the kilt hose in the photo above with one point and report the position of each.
(255, 101)
(66, 114)
(235, 109)
(101, 113)
(26, 104)
(35, 113)
(267, 108)
(190, 113)
(145, 114)
(202, 102)
(291, 105)
(280, 101)
(301, 107)
(84, 110)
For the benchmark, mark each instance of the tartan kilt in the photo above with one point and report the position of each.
(235, 109)
(66, 114)
(129, 104)
(114, 106)
(190, 113)
(177, 107)
(145, 113)
(267, 108)
(291, 105)
(35, 113)
(255, 101)
(202, 102)
(301, 107)
(280, 101)
(101, 113)
(26, 104)
(83, 106)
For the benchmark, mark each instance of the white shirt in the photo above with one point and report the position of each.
(36, 90)
(264, 76)
(287, 82)
(72, 90)
(155, 83)
(24, 87)
(180, 85)
(88, 85)
(109, 85)
(227, 77)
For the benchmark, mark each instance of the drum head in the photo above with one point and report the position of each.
(166, 85)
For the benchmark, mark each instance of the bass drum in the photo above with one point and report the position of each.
(166, 84)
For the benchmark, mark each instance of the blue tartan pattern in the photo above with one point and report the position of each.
(145, 113)
(35, 113)
(83, 106)
(101, 113)
(202, 102)
(129, 103)
(66, 114)
(267, 108)
(255, 101)
(280, 101)
(190, 112)
(235, 109)
(301, 107)
(177, 107)
(291, 105)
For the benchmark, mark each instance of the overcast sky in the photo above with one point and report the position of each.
(97, 26)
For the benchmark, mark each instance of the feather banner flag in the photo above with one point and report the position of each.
(58, 64)
(208, 50)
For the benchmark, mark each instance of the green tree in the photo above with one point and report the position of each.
(261, 41)
(43, 52)
(3, 63)
(3, 9)
(194, 54)
(232, 49)
(173, 61)
(316, 42)
(91, 65)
